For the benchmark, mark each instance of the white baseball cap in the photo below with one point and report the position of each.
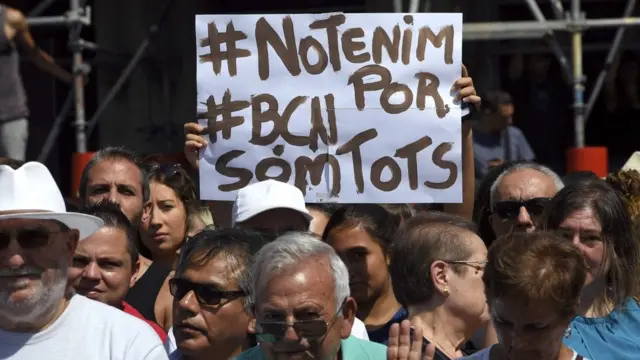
(30, 192)
(267, 195)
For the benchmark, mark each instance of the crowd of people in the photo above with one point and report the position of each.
(530, 266)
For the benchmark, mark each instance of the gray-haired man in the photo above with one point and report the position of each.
(302, 304)
(519, 195)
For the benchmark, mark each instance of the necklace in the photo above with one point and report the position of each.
(441, 348)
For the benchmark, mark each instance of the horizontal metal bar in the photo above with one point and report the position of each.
(49, 20)
(501, 30)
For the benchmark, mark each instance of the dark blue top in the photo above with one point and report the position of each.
(381, 334)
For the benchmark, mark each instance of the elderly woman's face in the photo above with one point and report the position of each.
(528, 331)
(297, 315)
(585, 232)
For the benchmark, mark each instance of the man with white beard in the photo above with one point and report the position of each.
(40, 315)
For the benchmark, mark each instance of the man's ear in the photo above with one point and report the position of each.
(134, 274)
(72, 243)
(349, 310)
(251, 329)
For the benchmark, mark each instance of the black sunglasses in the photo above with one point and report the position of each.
(511, 209)
(205, 294)
(314, 329)
(28, 238)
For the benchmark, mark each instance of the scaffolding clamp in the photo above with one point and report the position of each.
(79, 16)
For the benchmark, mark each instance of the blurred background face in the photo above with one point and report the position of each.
(583, 229)
(102, 268)
(166, 226)
(202, 327)
(539, 66)
(466, 289)
(34, 256)
(528, 331)
(502, 117)
(365, 259)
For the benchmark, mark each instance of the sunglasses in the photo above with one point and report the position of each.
(314, 329)
(29, 238)
(205, 294)
(511, 209)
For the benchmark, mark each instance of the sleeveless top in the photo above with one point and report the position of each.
(13, 98)
(142, 296)
(485, 353)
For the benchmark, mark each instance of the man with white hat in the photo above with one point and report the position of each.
(40, 315)
(272, 207)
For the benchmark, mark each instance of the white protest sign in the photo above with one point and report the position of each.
(350, 108)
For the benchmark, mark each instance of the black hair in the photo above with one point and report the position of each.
(113, 217)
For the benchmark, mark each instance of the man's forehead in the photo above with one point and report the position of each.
(310, 277)
(527, 180)
(115, 169)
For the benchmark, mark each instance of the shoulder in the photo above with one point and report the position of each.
(356, 349)
(255, 353)
(112, 321)
(15, 18)
(515, 131)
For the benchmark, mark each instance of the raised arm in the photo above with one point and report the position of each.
(467, 94)
(28, 48)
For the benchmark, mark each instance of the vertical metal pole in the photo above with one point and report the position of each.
(578, 78)
(398, 6)
(613, 52)
(78, 85)
(414, 6)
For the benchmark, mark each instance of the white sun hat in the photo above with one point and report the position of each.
(30, 192)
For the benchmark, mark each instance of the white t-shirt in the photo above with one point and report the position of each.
(358, 330)
(484, 355)
(86, 330)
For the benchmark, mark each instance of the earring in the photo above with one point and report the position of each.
(445, 291)
(567, 333)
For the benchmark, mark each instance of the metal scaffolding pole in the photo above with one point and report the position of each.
(578, 75)
(550, 38)
(128, 70)
(613, 51)
(78, 87)
(533, 29)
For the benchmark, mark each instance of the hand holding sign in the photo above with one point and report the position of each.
(349, 108)
(193, 143)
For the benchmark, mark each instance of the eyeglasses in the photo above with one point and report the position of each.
(314, 329)
(511, 209)
(478, 265)
(205, 294)
(28, 238)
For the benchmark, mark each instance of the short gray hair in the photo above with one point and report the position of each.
(290, 249)
(518, 167)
